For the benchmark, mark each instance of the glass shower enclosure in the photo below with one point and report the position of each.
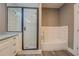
(25, 20)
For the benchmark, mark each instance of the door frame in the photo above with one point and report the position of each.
(75, 49)
(23, 29)
(23, 25)
(76, 29)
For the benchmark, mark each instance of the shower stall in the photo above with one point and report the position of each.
(25, 20)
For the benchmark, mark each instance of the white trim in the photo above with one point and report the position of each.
(72, 51)
(75, 29)
(30, 52)
(40, 19)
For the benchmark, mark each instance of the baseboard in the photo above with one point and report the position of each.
(72, 51)
(31, 52)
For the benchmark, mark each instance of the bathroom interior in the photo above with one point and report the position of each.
(38, 29)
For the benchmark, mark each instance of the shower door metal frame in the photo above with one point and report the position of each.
(23, 25)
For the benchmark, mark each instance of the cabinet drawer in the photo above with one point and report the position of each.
(8, 50)
(8, 47)
(5, 44)
(5, 41)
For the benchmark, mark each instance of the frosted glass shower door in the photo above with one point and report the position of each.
(30, 28)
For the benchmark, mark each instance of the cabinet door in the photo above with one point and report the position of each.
(4, 47)
(19, 42)
(7, 47)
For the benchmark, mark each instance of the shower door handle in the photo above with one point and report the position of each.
(24, 28)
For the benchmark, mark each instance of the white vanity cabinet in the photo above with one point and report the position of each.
(8, 46)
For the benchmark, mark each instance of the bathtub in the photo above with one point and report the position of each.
(54, 38)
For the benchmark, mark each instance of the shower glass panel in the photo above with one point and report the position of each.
(30, 28)
(25, 20)
(14, 19)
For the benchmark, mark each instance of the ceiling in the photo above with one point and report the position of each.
(52, 5)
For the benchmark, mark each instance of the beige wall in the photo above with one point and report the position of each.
(2, 17)
(67, 18)
(50, 17)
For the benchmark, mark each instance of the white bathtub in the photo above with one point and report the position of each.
(54, 38)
